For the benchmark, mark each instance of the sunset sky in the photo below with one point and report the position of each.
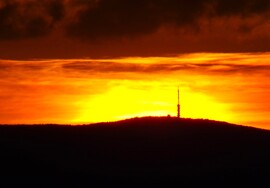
(83, 61)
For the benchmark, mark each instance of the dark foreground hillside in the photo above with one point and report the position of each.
(141, 152)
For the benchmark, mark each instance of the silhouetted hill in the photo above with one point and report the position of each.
(139, 152)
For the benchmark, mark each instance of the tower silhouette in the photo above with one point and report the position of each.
(178, 105)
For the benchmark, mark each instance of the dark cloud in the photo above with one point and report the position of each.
(23, 65)
(107, 67)
(26, 18)
(241, 7)
(125, 18)
(214, 67)
(120, 28)
(103, 19)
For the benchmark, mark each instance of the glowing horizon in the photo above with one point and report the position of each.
(223, 87)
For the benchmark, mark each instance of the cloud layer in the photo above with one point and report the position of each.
(27, 18)
(122, 18)
(113, 28)
(116, 18)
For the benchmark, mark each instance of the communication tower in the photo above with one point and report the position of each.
(178, 104)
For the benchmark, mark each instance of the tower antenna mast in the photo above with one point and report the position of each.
(178, 105)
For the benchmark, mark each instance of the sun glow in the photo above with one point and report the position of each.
(212, 86)
(126, 102)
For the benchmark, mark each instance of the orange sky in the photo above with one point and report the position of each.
(227, 87)
(74, 61)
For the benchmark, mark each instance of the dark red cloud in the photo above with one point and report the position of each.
(242, 7)
(114, 28)
(97, 19)
(27, 19)
(122, 18)
(210, 67)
